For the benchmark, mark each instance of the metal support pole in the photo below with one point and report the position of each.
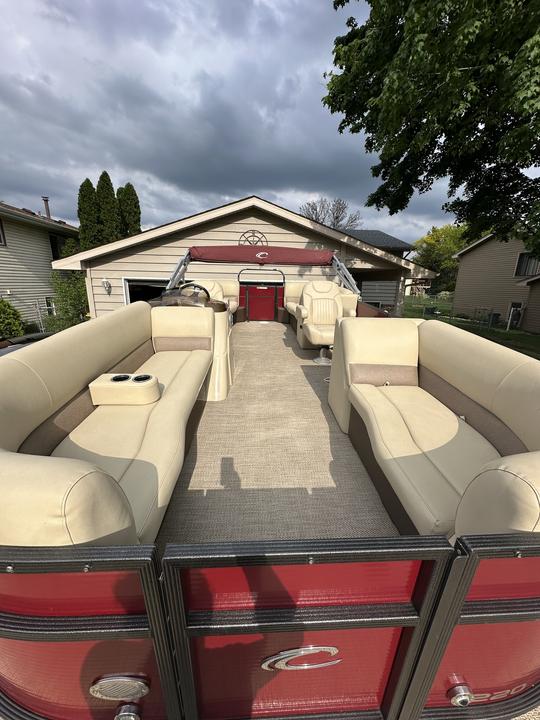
(345, 276)
(179, 271)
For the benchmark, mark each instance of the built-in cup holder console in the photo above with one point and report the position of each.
(124, 389)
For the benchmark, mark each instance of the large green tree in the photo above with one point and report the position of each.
(130, 210)
(108, 211)
(448, 88)
(436, 251)
(87, 211)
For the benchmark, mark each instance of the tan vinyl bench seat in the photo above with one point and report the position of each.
(425, 450)
(448, 424)
(142, 447)
(72, 473)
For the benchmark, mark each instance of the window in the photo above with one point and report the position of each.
(49, 304)
(527, 265)
(2, 234)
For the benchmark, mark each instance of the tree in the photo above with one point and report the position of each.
(108, 212)
(11, 324)
(448, 89)
(130, 210)
(69, 291)
(436, 251)
(87, 212)
(334, 213)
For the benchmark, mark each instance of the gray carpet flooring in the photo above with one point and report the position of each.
(270, 461)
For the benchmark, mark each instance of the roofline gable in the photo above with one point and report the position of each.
(474, 245)
(75, 262)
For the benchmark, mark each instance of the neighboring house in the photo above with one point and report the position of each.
(137, 267)
(499, 277)
(377, 288)
(28, 244)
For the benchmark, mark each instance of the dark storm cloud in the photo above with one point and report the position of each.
(197, 102)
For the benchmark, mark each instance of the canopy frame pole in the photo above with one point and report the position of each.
(345, 276)
(179, 271)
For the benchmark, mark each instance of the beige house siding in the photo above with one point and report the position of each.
(25, 267)
(486, 278)
(158, 258)
(531, 319)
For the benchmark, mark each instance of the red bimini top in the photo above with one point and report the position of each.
(260, 255)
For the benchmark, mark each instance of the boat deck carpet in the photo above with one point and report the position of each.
(270, 461)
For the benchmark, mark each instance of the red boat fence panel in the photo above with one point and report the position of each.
(281, 629)
(72, 594)
(497, 661)
(354, 679)
(82, 635)
(284, 586)
(482, 650)
(53, 679)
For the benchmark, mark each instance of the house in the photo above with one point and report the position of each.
(29, 242)
(499, 277)
(139, 266)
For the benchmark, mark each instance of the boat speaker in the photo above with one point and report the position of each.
(120, 688)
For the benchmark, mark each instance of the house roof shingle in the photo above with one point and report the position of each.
(25, 215)
(380, 239)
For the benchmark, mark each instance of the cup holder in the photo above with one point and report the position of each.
(120, 378)
(141, 378)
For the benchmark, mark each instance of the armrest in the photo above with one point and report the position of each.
(301, 312)
(349, 313)
(503, 497)
(61, 501)
(232, 303)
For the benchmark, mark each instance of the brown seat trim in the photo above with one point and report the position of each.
(165, 344)
(503, 439)
(57, 426)
(374, 374)
(392, 504)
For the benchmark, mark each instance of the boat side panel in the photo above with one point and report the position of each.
(497, 661)
(281, 586)
(231, 682)
(52, 679)
(72, 594)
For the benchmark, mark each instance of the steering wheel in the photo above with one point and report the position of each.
(194, 286)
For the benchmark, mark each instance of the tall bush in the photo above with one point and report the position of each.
(11, 324)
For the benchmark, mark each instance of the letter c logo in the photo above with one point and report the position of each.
(282, 659)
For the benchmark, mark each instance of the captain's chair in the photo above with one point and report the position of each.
(214, 288)
(319, 308)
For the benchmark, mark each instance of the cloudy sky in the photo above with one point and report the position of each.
(197, 102)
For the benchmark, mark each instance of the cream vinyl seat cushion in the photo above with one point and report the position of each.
(225, 290)
(142, 447)
(446, 422)
(427, 452)
(214, 289)
(73, 473)
(319, 308)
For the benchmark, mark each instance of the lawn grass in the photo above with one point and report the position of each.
(527, 343)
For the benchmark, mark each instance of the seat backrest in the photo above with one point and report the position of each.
(38, 380)
(231, 289)
(496, 389)
(293, 290)
(380, 350)
(322, 300)
(214, 288)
